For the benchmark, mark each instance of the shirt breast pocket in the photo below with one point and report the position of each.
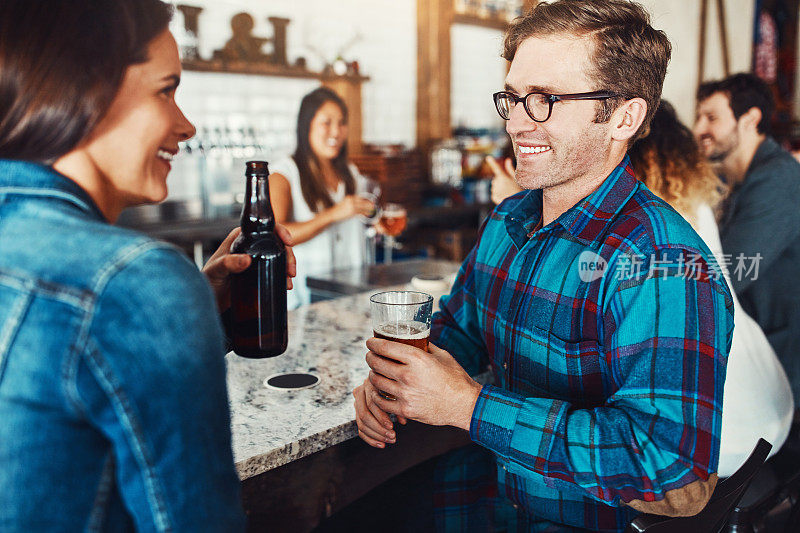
(15, 298)
(570, 369)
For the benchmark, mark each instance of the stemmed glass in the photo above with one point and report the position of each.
(393, 220)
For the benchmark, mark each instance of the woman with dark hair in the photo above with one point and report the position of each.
(113, 398)
(313, 193)
(757, 400)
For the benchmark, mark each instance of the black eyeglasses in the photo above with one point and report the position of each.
(539, 106)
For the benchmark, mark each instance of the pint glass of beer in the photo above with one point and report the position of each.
(402, 316)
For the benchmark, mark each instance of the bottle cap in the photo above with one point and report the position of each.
(257, 167)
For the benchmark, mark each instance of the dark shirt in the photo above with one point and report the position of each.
(762, 216)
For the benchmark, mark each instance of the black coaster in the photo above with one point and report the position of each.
(291, 381)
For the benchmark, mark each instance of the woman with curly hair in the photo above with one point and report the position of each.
(757, 401)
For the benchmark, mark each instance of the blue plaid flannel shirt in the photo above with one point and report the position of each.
(607, 332)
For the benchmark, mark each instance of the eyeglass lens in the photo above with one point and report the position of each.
(536, 104)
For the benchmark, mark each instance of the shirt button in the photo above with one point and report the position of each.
(505, 365)
(516, 506)
(504, 467)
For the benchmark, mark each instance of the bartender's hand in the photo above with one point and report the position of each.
(430, 387)
(503, 183)
(374, 425)
(223, 263)
(351, 206)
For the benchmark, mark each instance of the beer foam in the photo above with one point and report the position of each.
(404, 330)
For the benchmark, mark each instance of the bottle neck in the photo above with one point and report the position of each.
(257, 215)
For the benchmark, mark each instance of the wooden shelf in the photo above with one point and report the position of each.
(474, 20)
(265, 69)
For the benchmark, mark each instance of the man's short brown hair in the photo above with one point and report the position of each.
(630, 56)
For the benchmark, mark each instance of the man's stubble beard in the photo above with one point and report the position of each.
(723, 149)
(569, 162)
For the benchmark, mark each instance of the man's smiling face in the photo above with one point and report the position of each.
(569, 145)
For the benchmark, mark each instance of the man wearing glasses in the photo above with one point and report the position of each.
(607, 350)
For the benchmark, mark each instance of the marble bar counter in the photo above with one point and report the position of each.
(274, 427)
(297, 452)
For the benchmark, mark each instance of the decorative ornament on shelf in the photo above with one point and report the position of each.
(244, 46)
(244, 52)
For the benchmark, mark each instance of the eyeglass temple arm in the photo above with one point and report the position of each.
(595, 95)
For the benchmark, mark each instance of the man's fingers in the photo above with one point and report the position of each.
(372, 442)
(370, 415)
(402, 353)
(493, 164)
(384, 384)
(379, 435)
(510, 170)
(388, 406)
(383, 366)
(381, 416)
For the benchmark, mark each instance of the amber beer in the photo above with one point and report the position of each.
(411, 333)
(402, 316)
(393, 220)
(258, 295)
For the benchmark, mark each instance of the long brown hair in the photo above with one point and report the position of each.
(670, 163)
(312, 182)
(61, 64)
(630, 57)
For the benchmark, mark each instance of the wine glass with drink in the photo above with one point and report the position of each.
(402, 316)
(392, 221)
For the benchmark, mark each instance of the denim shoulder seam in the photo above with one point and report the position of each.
(73, 296)
(69, 371)
(134, 433)
(9, 329)
(85, 349)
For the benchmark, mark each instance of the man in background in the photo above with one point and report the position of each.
(760, 221)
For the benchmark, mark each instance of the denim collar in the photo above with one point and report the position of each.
(34, 179)
(586, 220)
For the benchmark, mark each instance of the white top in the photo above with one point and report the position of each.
(757, 401)
(340, 245)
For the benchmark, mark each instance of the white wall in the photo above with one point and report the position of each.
(386, 51)
(478, 69)
(476, 72)
(680, 19)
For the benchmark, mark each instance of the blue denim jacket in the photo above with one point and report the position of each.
(113, 405)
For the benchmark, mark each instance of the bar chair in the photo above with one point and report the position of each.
(714, 516)
(772, 501)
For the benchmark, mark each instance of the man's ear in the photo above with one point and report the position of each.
(751, 119)
(628, 118)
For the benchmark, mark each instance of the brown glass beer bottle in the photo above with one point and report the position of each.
(258, 295)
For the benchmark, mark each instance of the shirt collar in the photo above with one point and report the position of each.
(35, 179)
(586, 220)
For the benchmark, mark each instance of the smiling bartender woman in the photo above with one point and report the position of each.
(313, 193)
(113, 406)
